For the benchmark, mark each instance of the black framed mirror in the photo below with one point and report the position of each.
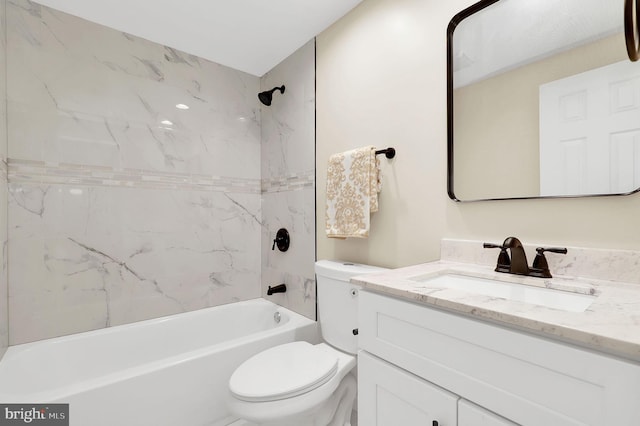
(543, 100)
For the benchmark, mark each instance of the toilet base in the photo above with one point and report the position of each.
(336, 411)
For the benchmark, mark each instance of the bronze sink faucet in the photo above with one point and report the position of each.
(517, 262)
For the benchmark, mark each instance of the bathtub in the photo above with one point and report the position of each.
(169, 371)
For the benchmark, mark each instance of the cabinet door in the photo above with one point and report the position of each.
(471, 415)
(390, 396)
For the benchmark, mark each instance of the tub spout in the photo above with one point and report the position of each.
(281, 288)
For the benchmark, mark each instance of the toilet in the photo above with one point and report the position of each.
(300, 384)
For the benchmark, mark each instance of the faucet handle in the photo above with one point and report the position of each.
(504, 262)
(491, 245)
(560, 250)
(540, 267)
(282, 240)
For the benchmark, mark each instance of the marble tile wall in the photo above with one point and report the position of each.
(121, 206)
(288, 181)
(4, 318)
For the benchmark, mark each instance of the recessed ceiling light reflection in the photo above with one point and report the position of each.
(182, 106)
(166, 123)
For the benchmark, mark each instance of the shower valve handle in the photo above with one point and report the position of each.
(282, 240)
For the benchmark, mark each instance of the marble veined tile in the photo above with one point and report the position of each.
(4, 319)
(295, 211)
(4, 324)
(50, 30)
(90, 257)
(86, 94)
(288, 125)
(288, 181)
(3, 85)
(124, 207)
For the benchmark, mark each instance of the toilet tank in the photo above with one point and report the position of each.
(338, 301)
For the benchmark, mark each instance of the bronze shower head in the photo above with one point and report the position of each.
(266, 97)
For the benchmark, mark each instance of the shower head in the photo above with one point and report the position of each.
(266, 97)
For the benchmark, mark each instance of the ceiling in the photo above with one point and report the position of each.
(248, 35)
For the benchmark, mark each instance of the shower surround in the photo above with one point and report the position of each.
(4, 319)
(288, 181)
(123, 204)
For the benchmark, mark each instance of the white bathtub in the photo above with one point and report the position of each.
(169, 371)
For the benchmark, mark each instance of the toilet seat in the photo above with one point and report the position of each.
(283, 372)
(277, 411)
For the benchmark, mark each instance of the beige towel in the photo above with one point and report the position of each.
(352, 192)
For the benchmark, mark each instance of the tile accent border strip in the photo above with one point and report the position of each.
(40, 172)
(27, 171)
(290, 182)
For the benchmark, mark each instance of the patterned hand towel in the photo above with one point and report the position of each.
(352, 192)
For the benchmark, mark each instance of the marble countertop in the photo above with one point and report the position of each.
(610, 324)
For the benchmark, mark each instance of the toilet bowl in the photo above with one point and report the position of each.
(300, 384)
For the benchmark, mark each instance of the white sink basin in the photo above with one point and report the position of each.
(557, 299)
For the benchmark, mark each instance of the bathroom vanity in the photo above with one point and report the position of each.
(439, 346)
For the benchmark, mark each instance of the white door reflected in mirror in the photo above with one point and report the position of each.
(590, 132)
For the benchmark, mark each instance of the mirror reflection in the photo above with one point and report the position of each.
(543, 101)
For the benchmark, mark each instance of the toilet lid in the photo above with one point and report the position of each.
(282, 372)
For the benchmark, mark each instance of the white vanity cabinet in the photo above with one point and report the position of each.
(413, 355)
(471, 415)
(390, 396)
